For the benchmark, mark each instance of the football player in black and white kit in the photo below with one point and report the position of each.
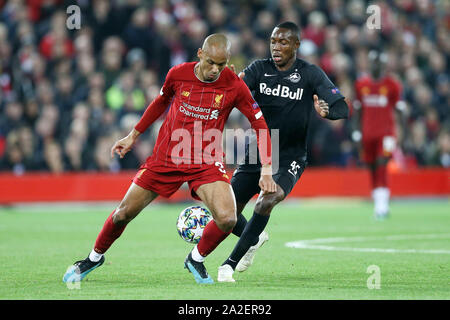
(287, 89)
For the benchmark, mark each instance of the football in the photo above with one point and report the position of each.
(191, 222)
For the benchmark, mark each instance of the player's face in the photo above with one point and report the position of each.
(283, 46)
(212, 62)
(377, 63)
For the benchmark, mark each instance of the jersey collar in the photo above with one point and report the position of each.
(202, 80)
(293, 68)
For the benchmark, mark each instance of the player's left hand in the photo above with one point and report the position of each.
(321, 106)
(267, 184)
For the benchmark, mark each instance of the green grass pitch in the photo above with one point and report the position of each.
(411, 251)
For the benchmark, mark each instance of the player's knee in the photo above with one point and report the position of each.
(123, 215)
(265, 204)
(226, 222)
(120, 217)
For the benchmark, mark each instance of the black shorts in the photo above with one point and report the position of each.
(245, 183)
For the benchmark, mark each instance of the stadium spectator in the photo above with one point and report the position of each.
(42, 64)
(441, 156)
(56, 43)
(12, 118)
(53, 156)
(315, 29)
(124, 96)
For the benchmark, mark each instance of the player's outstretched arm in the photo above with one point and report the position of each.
(338, 110)
(153, 112)
(160, 104)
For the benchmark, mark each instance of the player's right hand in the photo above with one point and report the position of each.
(122, 146)
(267, 184)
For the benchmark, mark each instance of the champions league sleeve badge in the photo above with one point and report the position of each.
(335, 90)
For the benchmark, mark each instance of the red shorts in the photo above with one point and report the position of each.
(166, 182)
(377, 147)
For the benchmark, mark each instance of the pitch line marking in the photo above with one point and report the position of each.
(320, 244)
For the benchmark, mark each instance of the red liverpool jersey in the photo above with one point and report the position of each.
(378, 100)
(191, 134)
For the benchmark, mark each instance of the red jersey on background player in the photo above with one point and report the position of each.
(201, 95)
(377, 97)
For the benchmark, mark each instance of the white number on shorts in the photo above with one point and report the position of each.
(221, 168)
(294, 168)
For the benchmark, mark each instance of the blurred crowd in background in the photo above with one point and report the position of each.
(67, 95)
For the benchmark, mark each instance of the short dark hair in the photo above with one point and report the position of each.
(290, 26)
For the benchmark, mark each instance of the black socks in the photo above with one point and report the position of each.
(248, 238)
(240, 225)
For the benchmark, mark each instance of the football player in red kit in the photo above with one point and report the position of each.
(377, 96)
(201, 96)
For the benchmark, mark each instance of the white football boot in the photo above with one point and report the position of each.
(247, 259)
(225, 274)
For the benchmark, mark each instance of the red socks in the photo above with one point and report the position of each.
(379, 177)
(211, 238)
(108, 235)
